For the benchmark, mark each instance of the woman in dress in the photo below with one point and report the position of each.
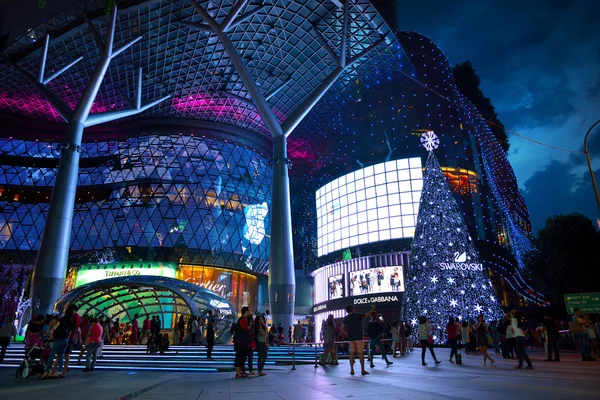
(135, 328)
(395, 338)
(260, 332)
(481, 332)
(465, 335)
(425, 329)
(329, 341)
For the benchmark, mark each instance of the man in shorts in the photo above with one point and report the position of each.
(353, 330)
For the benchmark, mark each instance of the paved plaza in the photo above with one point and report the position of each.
(406, 379)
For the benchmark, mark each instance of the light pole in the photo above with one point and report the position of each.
(589, 161)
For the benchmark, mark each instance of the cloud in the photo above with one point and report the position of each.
(539, 65)
(557, 190)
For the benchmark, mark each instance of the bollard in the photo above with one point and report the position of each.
(293, 357)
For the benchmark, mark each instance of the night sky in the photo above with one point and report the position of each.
(539, 62)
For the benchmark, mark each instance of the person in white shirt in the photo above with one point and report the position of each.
(592, 338)
(582, 335)
(511, 342)
(194, 331)
(520, 337)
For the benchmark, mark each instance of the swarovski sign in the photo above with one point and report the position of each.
(460, 264)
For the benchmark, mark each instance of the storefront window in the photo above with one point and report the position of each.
(240, 288)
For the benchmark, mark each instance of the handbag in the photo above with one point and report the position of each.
(430, 339)
(574, 327)
(252, 344)
(490, 340)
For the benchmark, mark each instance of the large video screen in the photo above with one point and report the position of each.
(376, 203)
(376, 280)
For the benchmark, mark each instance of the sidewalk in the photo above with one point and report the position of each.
(406, 379)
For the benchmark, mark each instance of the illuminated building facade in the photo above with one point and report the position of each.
(386, 126)
(202, 178)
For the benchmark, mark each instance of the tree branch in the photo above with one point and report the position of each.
(101, 118)
(201, 27)
(124, 47)
(61, 70)
(205, 16)
(63, 109)
(94, 31)
(325, 45)
(233, 15)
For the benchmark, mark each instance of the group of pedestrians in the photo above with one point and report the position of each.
(249, 335)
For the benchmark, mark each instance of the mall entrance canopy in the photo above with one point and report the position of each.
(124, 297)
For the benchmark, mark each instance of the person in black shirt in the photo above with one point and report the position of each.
(210, 334)
(241, 340)
(375, 330)
(352, 329)
(552, 338)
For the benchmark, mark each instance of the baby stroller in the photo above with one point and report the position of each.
(32, 363)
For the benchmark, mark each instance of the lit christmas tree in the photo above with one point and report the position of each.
(445, 278)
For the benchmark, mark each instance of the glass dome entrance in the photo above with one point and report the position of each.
(126, 297)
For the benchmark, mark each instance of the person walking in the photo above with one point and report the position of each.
(194, 330)
(181, 329)
(329, 348)
(551, 336)
(578, 324)
(451, 329)
(481, 331)
(260, 333)
(153, 324)
(7, 331)
(60, 339)
(395, 339)
(426, 339)
(375, 330)
(352, 329)
(465, 335)
(251, 345)
(74, 322)
(519, 332)
(133, 339)
(593, 351)
(240, 343)
(94, 345)
(146, 328)
(298, 333)
(210, 334)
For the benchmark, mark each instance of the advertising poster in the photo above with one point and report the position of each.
(336, 287)
(376, 280)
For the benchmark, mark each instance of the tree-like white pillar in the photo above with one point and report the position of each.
(52, 258)
(282, 280)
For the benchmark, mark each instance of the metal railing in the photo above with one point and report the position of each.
(321, 345)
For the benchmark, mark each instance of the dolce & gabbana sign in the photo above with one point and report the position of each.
(376, 299)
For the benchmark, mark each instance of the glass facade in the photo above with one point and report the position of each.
(155, 196)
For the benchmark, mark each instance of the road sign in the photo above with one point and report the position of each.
(588, 302)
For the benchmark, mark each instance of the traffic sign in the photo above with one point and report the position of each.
(588, 302)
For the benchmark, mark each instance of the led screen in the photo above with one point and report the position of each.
(336, 286)
(376, 203)
(376, 280)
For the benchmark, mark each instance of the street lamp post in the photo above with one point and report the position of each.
(589, 161)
